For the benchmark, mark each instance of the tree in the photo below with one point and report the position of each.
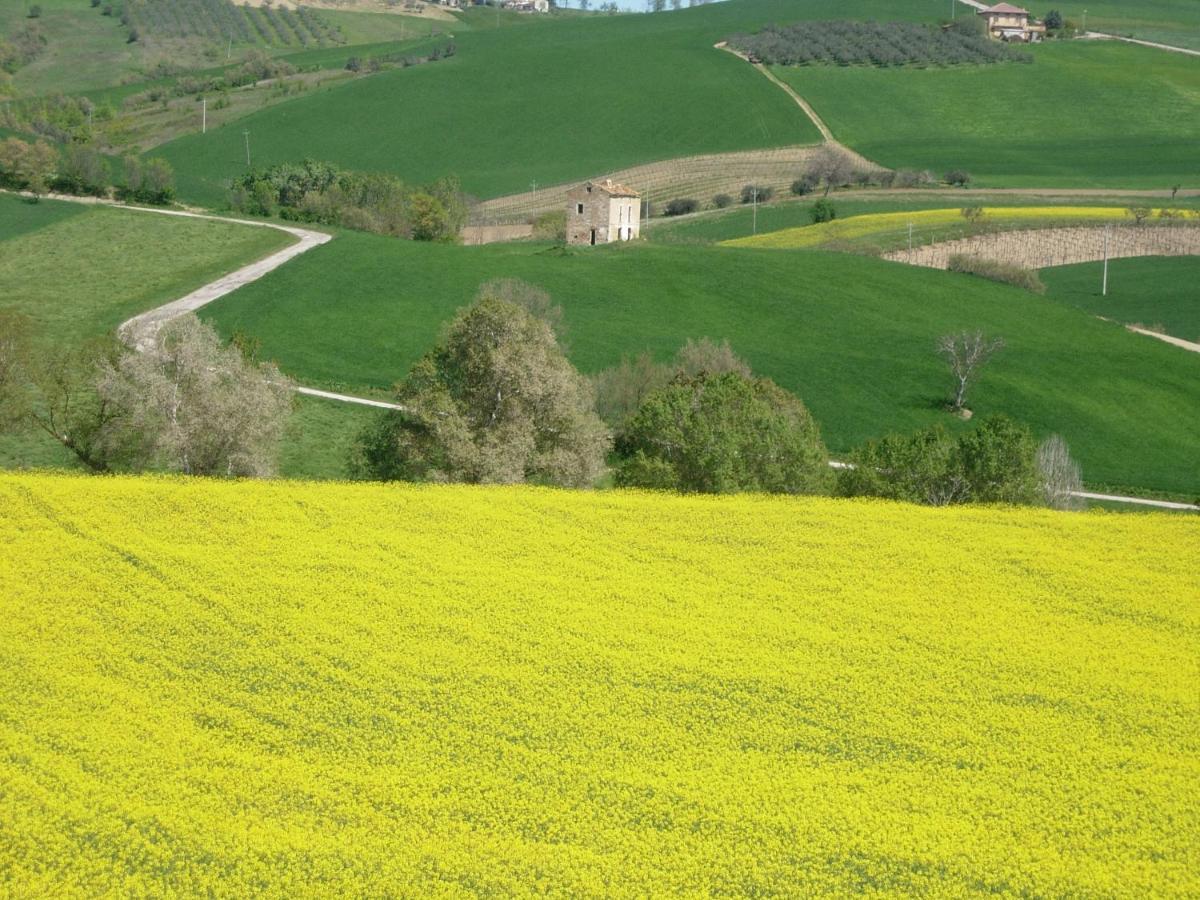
(723, 434)
(830, 166)
(83, 171)
(622, 389)
(27, 166)
(496, 401)
(973, 214)
(721, 201)
(966, 353)
(707, 357)
(1061, 477)
(189, 404)
(1053, 20)
(993, 464)
(757, 193)
(920, 468)
(531, 298)
(822, 211)
(998, 462)
(805, 184)
(958, 178)
(1140, 213)
(149, 181)
(681, 206)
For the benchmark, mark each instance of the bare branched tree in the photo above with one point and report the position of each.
(830, 166)
(966, 353)
(1061, 476)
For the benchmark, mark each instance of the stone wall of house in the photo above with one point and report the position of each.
(587, 211)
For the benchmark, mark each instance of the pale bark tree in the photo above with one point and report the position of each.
(966, 353)
(1061, 476)
(189, 404)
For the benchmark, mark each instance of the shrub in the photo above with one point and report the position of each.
(994, 463)
(723, 434)
(1053, 20)
(957, 178)
(681, 206)
(805, 184)
(822, 211)
(994, 270)
(721, 201)
(973, 214)
(35, 11)
(760, 192)
(1060, 476)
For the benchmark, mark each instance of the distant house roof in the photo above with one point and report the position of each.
(610, 187)
(1006, 9)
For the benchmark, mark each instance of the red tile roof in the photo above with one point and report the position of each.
(613, 189)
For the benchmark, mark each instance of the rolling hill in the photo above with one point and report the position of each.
(290, 689)
(853, 336)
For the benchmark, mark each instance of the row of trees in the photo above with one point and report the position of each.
(39, 167)
(220, 21)
(847, 43)
(312, 191)
(186, 404)
(497, 401)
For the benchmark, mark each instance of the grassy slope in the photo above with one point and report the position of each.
(1175, 22)
(1151, 291)
(1083, 114)
(853, 336)
(18, 216)
(552, 101)
(80, 271)
(321, 689)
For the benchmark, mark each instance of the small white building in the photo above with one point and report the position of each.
(603, 212)
(527, 6)
(1006, 22)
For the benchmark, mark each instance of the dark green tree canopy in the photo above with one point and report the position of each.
(723, 434)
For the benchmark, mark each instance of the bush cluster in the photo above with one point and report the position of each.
(993, 270)
(320, 192)
(81, 169)
(872, 44)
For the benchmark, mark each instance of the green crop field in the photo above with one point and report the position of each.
(549, 102)
(1083, 114)
(18, 216)
(1175, 22)
(1151, 291)
(852, 335)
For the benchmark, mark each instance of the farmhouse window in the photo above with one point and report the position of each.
(579, 208)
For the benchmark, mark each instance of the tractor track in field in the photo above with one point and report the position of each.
(141, 328)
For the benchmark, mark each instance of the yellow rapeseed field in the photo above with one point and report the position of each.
(293, 690)
(892, 224)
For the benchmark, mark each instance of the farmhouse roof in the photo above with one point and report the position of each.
(1007, 8)
(613, 189)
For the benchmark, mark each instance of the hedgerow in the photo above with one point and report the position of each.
(872, 44)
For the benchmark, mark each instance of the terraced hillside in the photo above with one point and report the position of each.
(294, 689)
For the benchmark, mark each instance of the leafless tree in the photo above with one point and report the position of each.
(830, 166)
(1061, 476)
(191, 405)
(708, 357)
(966, 353)
(531, 298)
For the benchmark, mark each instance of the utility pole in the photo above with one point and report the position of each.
(204, 115)
(910, 228)
(229, 52)
(246, 135)
(1085, 21)
(1104, 283)
(756, 209)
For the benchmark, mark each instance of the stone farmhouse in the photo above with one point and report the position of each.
(601, 212)
(527, 6)
(1006, 22)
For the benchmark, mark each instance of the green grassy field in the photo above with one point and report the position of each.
(85, 273)
(853, 336)
(1175, 22)
(1152, 291)
(1084, 114)
(552, 101)
(18, 216)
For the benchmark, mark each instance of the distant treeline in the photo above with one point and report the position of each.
(320, 192)
(875, 44)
